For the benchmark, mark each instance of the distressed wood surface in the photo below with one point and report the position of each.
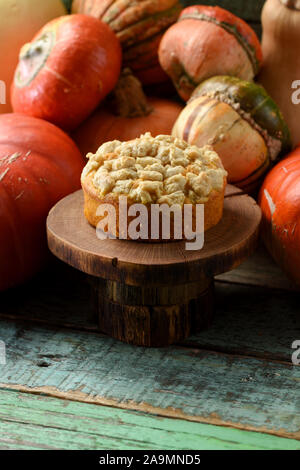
(250, 10)
(252, 322)
(29, 421)
(248, 319)
(186, 383)
(260, 270)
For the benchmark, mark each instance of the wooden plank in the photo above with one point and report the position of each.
(36, 422)
(260, 270)
(74, 425)
(190, 384)
(252, 321)
(73, 240)
(251, 317)
(58, 296)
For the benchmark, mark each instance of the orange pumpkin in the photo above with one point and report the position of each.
(128, 115)
(39, 165)
(140, 26)
(67, 69)
(279, 200)
(20, 21)
(208, 41)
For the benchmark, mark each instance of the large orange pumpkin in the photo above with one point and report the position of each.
(128, 115)
(39, 165)
(280, 203)
(67, 69)
(140, 26)
(208, 41)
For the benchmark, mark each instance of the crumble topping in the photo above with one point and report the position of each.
(161, 169)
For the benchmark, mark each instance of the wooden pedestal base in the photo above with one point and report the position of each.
(153, 294)
(152, 316)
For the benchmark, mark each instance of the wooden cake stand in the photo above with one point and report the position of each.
(153, 294)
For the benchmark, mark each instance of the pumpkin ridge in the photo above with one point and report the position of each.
(271, 136)
(144, 42)
(231, 29)
(255, 172)
(130, 14)
(147, 28)
(219, 138)
(194, 115)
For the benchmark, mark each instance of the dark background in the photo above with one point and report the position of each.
(250, 10)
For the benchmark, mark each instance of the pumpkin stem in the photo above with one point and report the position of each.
(292, 4)
(128, 98)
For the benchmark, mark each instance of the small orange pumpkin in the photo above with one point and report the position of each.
(208, 41)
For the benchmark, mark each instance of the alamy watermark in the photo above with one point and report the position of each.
(2, 92)
(162, 222)
(296, 94)
(2, 353)
(296, 354)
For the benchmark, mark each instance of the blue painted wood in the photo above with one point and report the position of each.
(185, 383)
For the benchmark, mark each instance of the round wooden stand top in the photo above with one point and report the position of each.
(73, 240)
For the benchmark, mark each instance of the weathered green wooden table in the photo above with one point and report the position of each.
(66, 386)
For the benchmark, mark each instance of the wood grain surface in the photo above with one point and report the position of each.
(74, 241)
(187, 383)
(250, 315)
(28, 421)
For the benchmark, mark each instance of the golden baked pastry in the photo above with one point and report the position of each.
(154, 170)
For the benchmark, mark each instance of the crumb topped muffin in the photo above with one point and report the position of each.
(154, 170)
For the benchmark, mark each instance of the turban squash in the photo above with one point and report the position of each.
(242, 123)
(39, 165)
(139, 26)
(208, 41)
